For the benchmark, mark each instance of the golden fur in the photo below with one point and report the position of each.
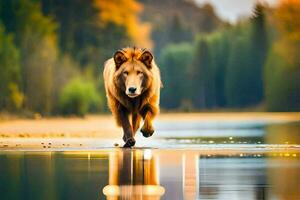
(132, 66)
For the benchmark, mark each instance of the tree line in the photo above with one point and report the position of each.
(52, 54)
(253, 64)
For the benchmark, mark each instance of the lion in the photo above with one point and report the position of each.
(132, 83)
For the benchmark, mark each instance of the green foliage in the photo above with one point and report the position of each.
(244, 74)
(10, 95)
(178, 32)
(219, 53)
(78, 97)
(44, 44)
(201, 74)
(238, 83)
(45, 64)
(178, 21)
(25, 19)
(282, 84)
(226, 68)
(35, 37)
(16, 97)
(259, 49)
(175, 64)
(64, 70)
(81, 33)
(282, 71)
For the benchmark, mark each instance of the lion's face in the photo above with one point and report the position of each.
(133, 75)
(133, 71)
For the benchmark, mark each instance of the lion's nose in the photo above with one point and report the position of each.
(132, 90)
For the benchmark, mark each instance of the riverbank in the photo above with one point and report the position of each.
(100, 131)
(103, 126)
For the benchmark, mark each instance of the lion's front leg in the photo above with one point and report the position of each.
(148, 113)
(136, 119)
(128, 136)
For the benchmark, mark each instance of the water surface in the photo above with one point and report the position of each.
(190, 160)
(145, 173)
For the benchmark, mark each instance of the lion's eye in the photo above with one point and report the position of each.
(125, 73)
(139, 73)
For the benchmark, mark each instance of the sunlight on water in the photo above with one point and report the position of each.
(166, 136)
(254, 134)
(150, 174)
(204, 161)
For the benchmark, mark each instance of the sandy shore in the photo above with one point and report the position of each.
(103, 126)
(99, 130)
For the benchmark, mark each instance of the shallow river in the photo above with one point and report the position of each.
(185, 161)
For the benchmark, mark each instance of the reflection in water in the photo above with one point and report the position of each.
(284, 177)
(256, 163)
(283, 134)
(286, 133)
(233, 178)
(133, 174)
(150, 174)
(52, 175)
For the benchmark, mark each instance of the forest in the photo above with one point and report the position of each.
(52, 54)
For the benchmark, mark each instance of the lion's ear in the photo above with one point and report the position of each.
(119, 58)
(146, 58)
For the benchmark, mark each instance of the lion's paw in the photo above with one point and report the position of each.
(147, 132)
(129, 142)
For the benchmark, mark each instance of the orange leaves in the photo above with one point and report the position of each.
(125, 13)
(120, 12)
(288, 18)
(287, 21)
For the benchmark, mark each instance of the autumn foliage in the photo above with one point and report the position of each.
(287, 21)
(125, 13)
(51, 51)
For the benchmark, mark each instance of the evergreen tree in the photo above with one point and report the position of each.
(219, 52)
(282, 84)
(177, 31)
(175, 65)
(238, 83)
(81, 33)
(259, 48)
(35, 37)
(201, 74)
(10, 96)
(282, 70)
(244, 82)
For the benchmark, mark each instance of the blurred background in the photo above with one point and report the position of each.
(213, 55)
(229, 60)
